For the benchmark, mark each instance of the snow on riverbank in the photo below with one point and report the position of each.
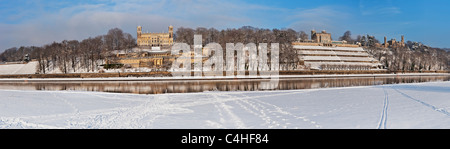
(28, 68)
(417, 105)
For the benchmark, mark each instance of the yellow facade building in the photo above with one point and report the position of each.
(152, 59)
(154, 39)
(322, 37)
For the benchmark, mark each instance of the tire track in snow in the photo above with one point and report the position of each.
(437, 109)
(383, 119)
(221, 118)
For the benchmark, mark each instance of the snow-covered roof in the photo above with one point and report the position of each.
(337, 58)
(156, 48)
(160, 51)
(339, 53)
(319, 64)
(329, 48)
(316, 56)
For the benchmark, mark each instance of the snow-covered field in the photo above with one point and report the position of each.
(29, 68)
(417, 105)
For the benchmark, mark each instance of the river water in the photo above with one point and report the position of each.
(187, 86)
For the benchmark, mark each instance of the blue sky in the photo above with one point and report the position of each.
(38, 22)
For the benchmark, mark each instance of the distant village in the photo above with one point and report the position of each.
(120, 52)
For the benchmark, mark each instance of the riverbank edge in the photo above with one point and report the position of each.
(169, 74)
(214, 78)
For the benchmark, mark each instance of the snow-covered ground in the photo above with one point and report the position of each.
(417, 105)
(29, 68)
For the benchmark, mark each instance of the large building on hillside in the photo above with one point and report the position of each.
(393, 43)
(154, 58)
(322, 37)
(321, 53)
(150, 59)
(154, 39)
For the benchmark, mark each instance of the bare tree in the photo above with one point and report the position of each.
(347, 37)
(213, 35)
(303, 36)
(129, 42)
(73, 50)
(114, 40)
(185, 35)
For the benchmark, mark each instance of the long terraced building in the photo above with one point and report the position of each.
(325, 54)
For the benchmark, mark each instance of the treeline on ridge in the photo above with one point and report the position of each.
(74, 56)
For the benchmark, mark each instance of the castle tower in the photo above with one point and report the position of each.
(385, 43)
(139, 31)
(394, 43)
(170, 31)
(403, 41)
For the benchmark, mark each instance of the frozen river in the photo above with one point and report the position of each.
(149, 86)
